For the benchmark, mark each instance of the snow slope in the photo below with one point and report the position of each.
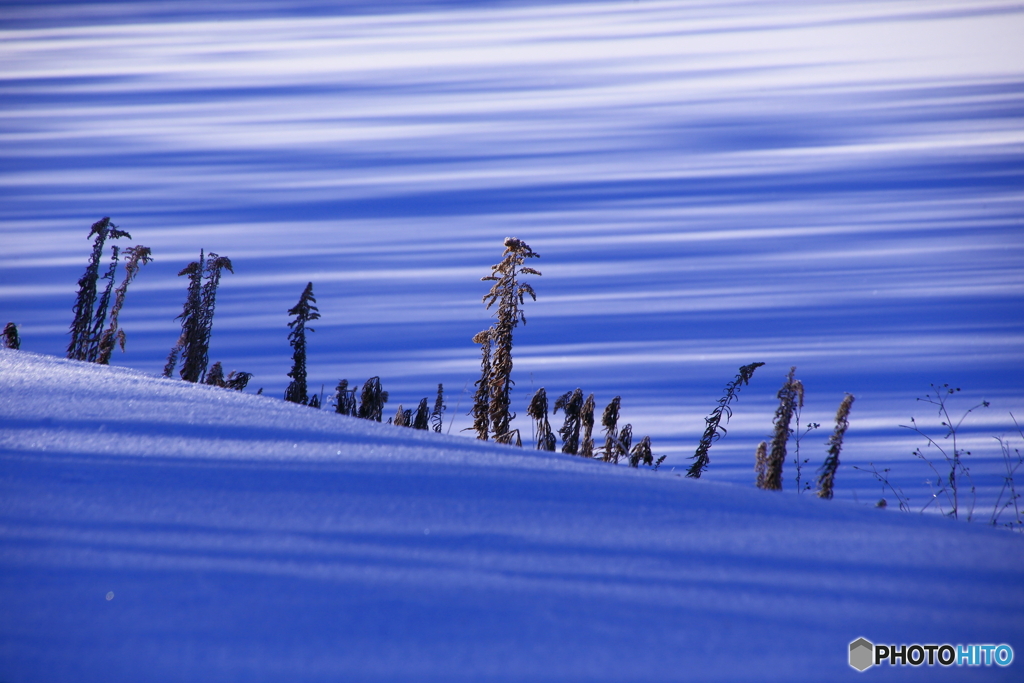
(159, 531)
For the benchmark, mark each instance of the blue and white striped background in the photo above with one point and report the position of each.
(836, 186)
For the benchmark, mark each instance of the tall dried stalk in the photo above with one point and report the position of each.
(99, 318)
(610, 422)
(138, 256)
(303, 313)
(827, 476)
(437, 415)
(538, 410)
(713, 421)
(571, 404)
(509, 294)
(482, 397)
(83, 330)
(193, 345)
(790, 396)
(587, 419)
(189, 342)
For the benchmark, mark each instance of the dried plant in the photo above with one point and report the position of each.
(344, 399)
(215, 376)
(623, 443)
(237, 380)
(11, 339)
(191, 315)
(196, 317)
(827, 474)
(421, 420)
(610, 421)
(538, 410)
(303, 313)
(437, 415)
(372, 400)
(510, 437)
(713, 430)
(790, 396)
(949, 484)
(587, 420)
(1009, 489)
(798, 436)
(401, 418)
(215, 265)
(137, 257)
(509, 294)
(883, 479)
(761, 463)
(571, 403)
(641, 453)
(172, 359)
(482, 397)
(86, 325)
(99, 318)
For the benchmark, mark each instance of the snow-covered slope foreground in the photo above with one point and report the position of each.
(159, 531)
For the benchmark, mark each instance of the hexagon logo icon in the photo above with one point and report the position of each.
(862, 654)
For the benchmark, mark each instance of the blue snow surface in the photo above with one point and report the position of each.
(155, 530)
(832, 186)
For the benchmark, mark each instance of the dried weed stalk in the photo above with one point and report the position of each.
(303, 313)
(538, 410)
(137, 257)
(827, 474)
(509, 293)
(714, 430)
(790, 396)
(11, 338)
(587, 419)
(610, 422)
(571, 403)
(89, 318)
(437, 415)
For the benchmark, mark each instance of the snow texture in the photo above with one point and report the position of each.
(154, 530)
